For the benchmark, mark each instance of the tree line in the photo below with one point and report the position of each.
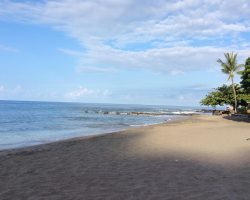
(236, 94)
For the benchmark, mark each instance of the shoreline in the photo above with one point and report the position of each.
(201, 157)
(31, 147)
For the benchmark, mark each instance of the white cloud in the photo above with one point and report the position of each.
(94, 19)
(172, 60)
(81, 91)
(167, 31)
(11, 90)
(86, 92)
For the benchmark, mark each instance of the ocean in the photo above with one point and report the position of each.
(26, 123)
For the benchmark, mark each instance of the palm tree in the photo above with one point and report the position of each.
(230, 67)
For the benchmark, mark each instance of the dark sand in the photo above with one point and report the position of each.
(199, 158)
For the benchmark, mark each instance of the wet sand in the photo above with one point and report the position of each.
(203, 157)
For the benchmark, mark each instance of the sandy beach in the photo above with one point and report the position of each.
(203, 157)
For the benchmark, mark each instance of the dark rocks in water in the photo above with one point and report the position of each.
(206, 111)
(146, 113)
(221, 112)
(135, 113)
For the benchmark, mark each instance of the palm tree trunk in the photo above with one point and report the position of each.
(235, 97)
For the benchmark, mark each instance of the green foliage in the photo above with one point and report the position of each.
(231, 95)
(230, 66)
(242, 110)
(243, 96)
(220, 96)
(245, 83)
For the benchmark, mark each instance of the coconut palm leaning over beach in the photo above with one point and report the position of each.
(230, 67)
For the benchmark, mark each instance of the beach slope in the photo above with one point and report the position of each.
(203, 157)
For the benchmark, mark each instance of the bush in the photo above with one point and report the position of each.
(242, 110)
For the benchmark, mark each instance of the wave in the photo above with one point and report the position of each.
(140, 125)
(148, 124)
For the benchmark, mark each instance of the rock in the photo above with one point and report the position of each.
(221, 112)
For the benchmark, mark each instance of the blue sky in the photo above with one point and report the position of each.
(118, 51)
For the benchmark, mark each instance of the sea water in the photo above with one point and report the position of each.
(24, 123)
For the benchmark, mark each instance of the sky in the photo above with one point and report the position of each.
(118, 51)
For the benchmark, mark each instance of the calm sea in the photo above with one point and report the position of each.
(31, 123)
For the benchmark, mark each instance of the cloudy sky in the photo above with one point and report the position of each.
(118, 51)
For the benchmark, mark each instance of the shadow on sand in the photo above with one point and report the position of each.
(107, 168)
(238, 118)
